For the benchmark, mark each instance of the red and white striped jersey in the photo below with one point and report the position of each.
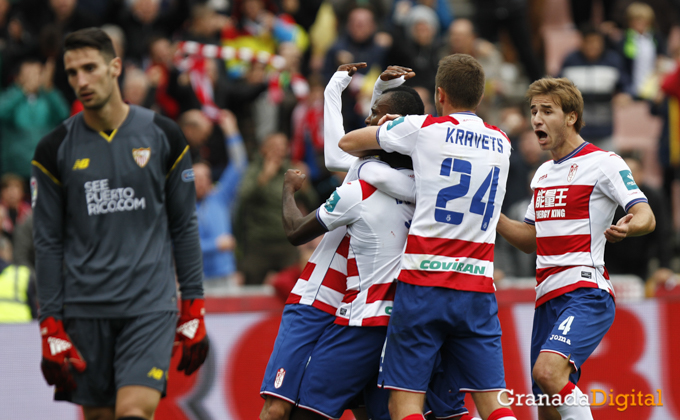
(461, 168)
(573, 204)
(377, 227)
(323, 281)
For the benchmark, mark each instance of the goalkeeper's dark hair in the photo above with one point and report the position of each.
(91, 38)
(404, 100)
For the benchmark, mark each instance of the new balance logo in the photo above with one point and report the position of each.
(155, 373)
(81, 164)
(57, 345)
(188, 329)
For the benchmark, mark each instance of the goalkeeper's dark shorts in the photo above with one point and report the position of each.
(120, 352)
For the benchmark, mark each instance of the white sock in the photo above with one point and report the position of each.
(574, 405)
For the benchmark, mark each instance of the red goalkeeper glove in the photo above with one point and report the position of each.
(59, 355)
(191, 336)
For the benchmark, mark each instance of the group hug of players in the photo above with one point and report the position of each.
(394, 316)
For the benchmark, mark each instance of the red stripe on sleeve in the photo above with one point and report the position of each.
(366, 189)
(438, 120)
(560, 245)
(383, 291)
(449, 248)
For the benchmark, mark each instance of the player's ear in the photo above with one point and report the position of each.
(440, 96)
(571, 119)
(116, 66)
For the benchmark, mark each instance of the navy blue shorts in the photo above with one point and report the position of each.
(571, 325)
(463, 325)
(443, 397)
(343, 364)
(300, 329)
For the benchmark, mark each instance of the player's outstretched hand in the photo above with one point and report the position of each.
(191, 336)
(294, 179)
(352, 68)
(617, 232)
(394, 72)
(59, 355)
(388, 117)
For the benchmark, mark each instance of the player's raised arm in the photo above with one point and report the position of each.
(521, 235)
(393, 182)
(333, 130)
(299, 229)
(358, 141)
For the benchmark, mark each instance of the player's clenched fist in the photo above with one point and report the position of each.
(191, 336)
(58, 355)
(293, 179)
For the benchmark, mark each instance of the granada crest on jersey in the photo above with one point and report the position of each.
(141, 156)
(279, 378)
(572, 172)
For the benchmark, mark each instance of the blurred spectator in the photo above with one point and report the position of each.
(402, 10)
(144, 19)
(417, 46)
(214, 204)
(24, 251)
(640, 47)
(492, 15)
(582, 11)
(174, 94)
(462, 39)
(307, 142)
(137, 90)
(261, 239)
(259, 28)
(284, 281)
(18, 293)
(28, 110)
(427, 98)
(17, 42)
(204, 25)
(600, 76)
(62, 13)
(12, 205)
(274, 111)
(357, 44)
(206, 140)
(668, 107)
(633, 255)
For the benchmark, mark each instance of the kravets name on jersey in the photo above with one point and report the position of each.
(461, 166)
(102, 200)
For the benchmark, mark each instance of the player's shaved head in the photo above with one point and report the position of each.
(404, 100)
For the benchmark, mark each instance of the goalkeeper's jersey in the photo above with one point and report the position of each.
(114, 218)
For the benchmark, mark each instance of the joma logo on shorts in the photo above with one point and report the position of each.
(452, 266)
(560, 338)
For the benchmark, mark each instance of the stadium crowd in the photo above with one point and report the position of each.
(244, 80)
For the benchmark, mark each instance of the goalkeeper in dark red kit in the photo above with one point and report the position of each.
(114, 226)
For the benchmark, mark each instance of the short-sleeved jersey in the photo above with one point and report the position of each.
(323, 281)
(461, 168)
(115, 218)
(573, 204)
(377, 227)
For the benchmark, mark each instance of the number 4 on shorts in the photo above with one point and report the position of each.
(565, 326)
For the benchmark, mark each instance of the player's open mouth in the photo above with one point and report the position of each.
(541, 134)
